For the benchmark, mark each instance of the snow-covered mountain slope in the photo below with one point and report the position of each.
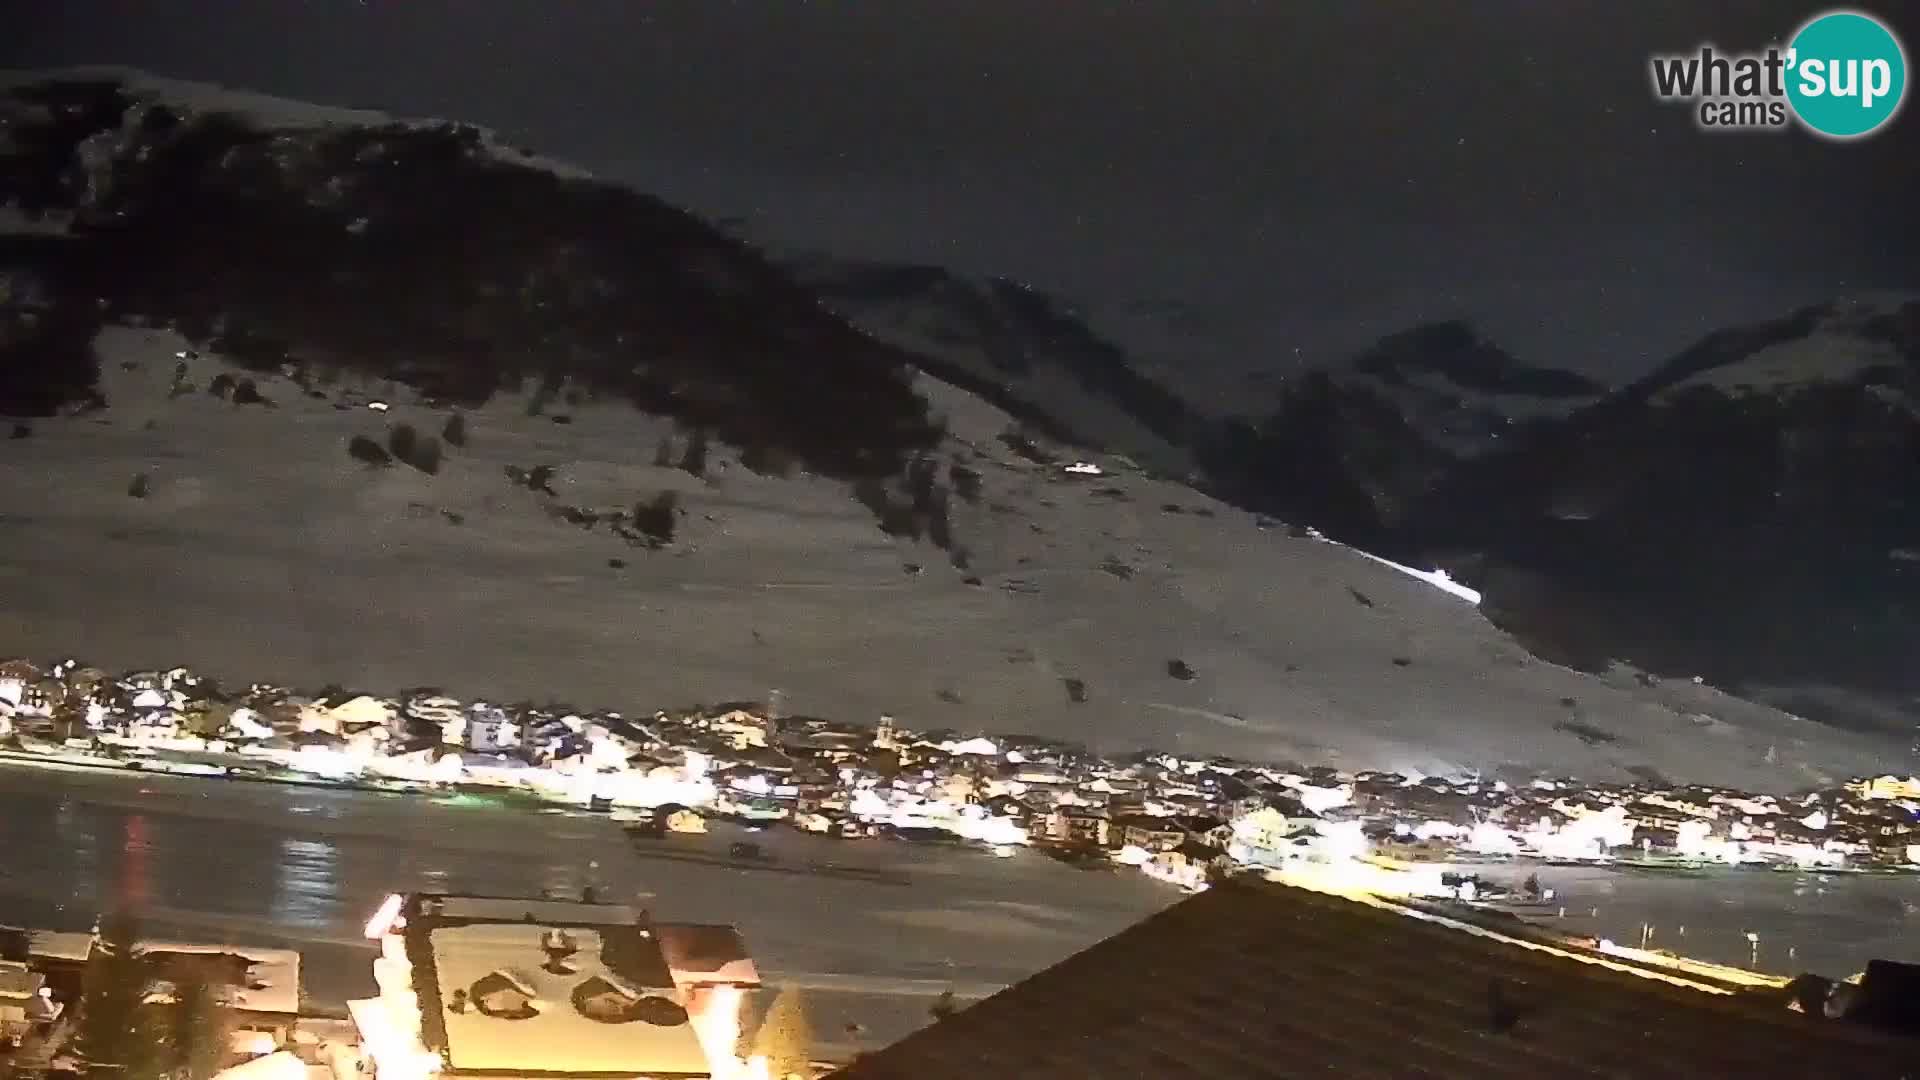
(1459, 391)
(1746, 511)
(585, 336)
(1346, 447)
(1356, 448)
(1027, 350)
(415, 251)
(260, 549)
(1863, 343)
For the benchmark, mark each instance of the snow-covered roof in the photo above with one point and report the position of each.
(512, 909)
(19, 981)
(276, 1066)
(59, 945)
(273, 973)
(556, 1034)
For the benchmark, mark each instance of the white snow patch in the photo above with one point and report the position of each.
(1439, 579)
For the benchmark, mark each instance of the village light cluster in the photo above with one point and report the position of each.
(1178, 819)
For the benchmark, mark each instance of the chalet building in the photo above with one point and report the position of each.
(25, 1002)
(143, 680)
(1151, 833)
(738, 724)
(476, 986)
(1411, 850)
(815, 790)
(1207, 830)
(1080, 826)
(261, 986)
(161, 723)
(1008, 806)
(1188, 865)
(33, 698)
(1882, 787)
(1656, 837)
(1255, 980)
(1268, 837)
(492, 731)
(1282, 799)
(814, 741)
(439, 713)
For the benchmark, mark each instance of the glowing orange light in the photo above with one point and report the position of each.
(386, 918)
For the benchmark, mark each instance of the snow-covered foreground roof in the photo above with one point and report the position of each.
(261, 550)
(559, 1036)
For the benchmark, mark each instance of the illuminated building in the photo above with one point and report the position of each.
(502, 987)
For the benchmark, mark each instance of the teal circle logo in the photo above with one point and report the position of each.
(1846, 74)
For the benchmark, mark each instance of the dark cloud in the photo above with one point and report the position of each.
(1300, 176)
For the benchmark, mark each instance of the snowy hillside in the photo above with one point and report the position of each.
(210, 362)
(1459, 391)
(1357, 448)
(1020, 346)
(259, 548)
(1745, 512)
(1864, 343)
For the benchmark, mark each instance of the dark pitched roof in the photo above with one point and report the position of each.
(1260, 980)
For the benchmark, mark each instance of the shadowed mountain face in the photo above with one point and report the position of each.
(1354, 451)
(1018, 347)
(1745, 513)
(416, 254)
(1750, 512)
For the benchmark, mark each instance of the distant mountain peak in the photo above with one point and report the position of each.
(1455, 350)
(1021, 347)
(1452, 388)
(1865, 341)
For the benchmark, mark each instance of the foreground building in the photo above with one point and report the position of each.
(1266, 980)
(24, 1002)
(260, 986)
(500, 987)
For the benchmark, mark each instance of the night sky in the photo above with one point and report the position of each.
(1276, 182)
